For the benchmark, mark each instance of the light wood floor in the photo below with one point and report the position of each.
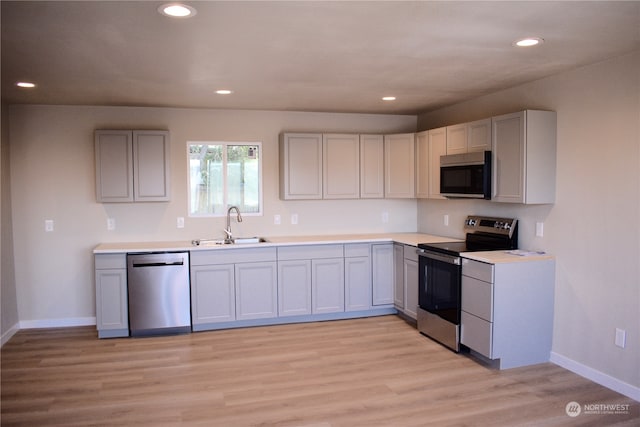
(365, 372)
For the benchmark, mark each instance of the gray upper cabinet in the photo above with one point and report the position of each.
(132, 166)
(371, 166)
(524, 157)
(300, 166)
(341, 166)
(469, 137)
(399, 166)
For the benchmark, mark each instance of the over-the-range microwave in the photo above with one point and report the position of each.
(466, 175)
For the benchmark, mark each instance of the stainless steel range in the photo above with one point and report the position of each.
(441, 274)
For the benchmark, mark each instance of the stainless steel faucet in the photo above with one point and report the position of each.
(227, 231)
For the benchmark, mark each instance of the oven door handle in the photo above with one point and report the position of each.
(439, 257)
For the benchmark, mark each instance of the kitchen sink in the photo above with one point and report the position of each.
(236, 241)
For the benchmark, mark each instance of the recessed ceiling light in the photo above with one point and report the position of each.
(177, 10)
(224, 92)
(26, 84)
(528, 42)
(388, 98)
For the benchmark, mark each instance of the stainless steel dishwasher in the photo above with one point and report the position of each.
(159, 294)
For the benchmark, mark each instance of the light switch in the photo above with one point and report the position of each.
(277, 220)
(111, 224)
(539, 229)
(48, 225)
(180, 222)
(294, 219)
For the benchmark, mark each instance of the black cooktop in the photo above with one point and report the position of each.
(484, 234)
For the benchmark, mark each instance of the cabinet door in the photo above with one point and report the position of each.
(114, 166)
(341, 166)
(112, 311)
(382, 268)
(411, 272)
(422, 165)
(371, 166)
(213, 294)
(327, 284)
(294, 287)
(479, 135)
(357, 287)
(151, 172)
(301, 166)
(437, 148)
(256, 290)
(457, 139)
(399, 161)
(508, 158)
(398, 276)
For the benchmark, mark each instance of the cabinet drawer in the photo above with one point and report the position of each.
(357, 250)
(477, 334)
(478, 270)
(410, 253)
(310, 252)
(110, 261)
(477, 298)
(232, 256)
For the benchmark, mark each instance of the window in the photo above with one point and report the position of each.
(223, 174)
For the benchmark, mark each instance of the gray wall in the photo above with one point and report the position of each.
(8, 301)
(53, 177)
(593, 227)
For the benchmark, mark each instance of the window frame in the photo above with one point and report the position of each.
(225, 145)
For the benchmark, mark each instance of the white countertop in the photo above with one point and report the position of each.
(498, 257)
(404, 238)
(413, 239)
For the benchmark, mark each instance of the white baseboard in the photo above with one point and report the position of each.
(596, 376)
(57, 323)
(11, 332)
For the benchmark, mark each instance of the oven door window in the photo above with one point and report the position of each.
(440, 288)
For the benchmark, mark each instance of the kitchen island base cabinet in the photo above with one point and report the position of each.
(507, 311)
(112, 312)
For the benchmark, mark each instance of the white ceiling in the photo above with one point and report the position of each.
(299, 56)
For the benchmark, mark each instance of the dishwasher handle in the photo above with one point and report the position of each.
(158, 264)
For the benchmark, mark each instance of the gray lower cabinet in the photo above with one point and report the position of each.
(398, 276)
(233, 284)
(112, 313)
(311, 279)
(382, 273)
(357, 276)
(327, 285)
(410, 278)
(507, 310)
(213, 296)
(256, 290)
(294, 287)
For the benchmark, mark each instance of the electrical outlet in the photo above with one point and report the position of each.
(385, 217)
(446, 220)
(48, 225)
(277, 220)
(111, 224)
(539, 229)
(621, 337)
(294, 219)
(180, 222)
